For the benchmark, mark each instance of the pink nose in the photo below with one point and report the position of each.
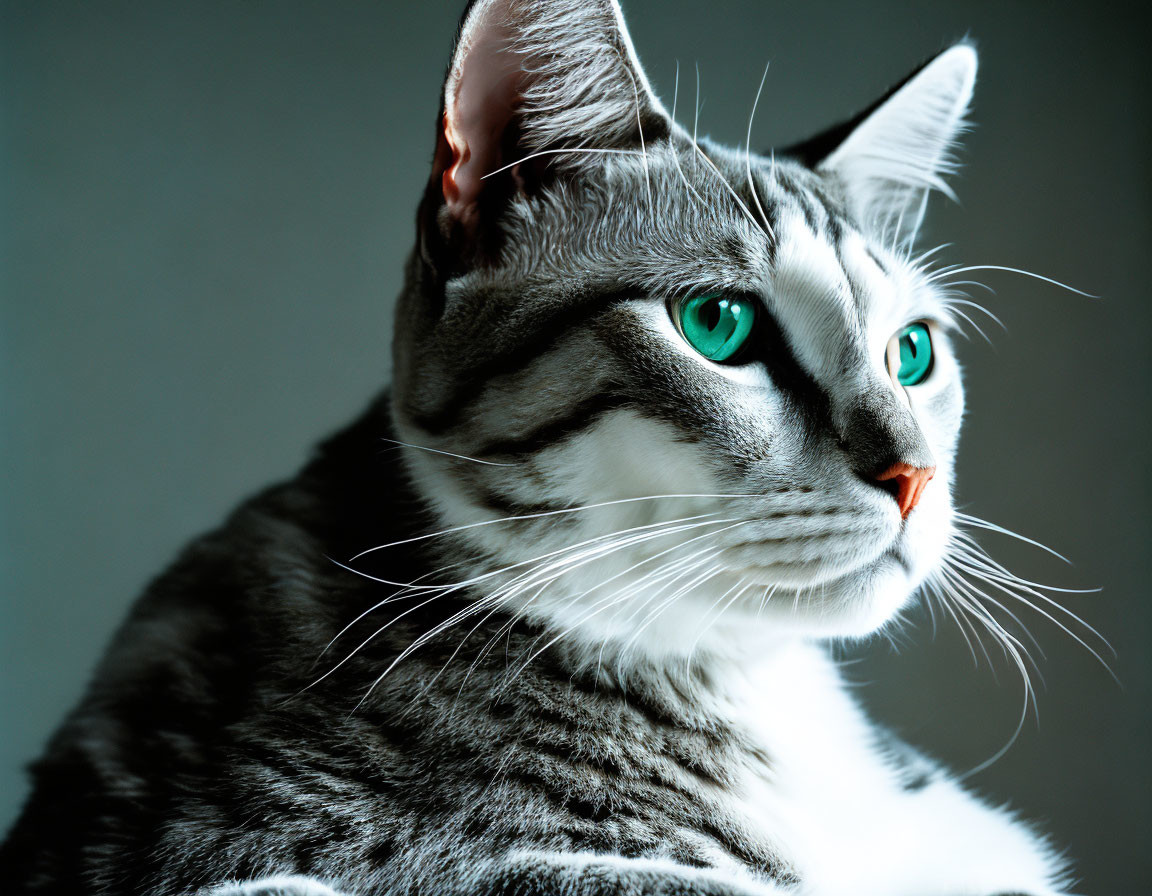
(910, 482)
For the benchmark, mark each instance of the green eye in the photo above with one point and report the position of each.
(716, 326)
(910, 355)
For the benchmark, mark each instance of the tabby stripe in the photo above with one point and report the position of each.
(545, 335)
(803, 200)
(510, 507)
(859, 295)
(578, 419)
(877, 260)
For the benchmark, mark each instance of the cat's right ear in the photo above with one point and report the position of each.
(890, 157)
(534, 86)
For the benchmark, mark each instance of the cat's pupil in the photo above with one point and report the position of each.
(712, 314)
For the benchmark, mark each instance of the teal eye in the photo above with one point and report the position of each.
(716, 326)
(910, 355)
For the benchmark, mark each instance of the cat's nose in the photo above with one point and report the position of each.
(906, 483)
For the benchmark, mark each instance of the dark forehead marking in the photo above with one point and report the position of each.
(734, 248)
(854, 285)
(823, 216)
(828, 197)
(837, 227)
(811, 211)
(833, 210)
(877, 260)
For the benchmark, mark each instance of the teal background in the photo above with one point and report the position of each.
(205, 206)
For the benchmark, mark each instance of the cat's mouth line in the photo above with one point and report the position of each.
(788, 587)
(793, 539)
(869, 535)
(829, 567)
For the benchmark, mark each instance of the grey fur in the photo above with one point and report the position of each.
(237, 742)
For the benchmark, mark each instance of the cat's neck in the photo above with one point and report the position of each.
(718, 680)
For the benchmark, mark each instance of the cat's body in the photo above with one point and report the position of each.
(569, 650)
(200, 756)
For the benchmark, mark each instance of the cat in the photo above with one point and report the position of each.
(550, 618)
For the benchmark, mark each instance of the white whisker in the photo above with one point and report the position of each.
(509, 589)
(1016, 595)
(676, 154)
(533, 516)
(965, 581)
(922, 259)
(664, 605)
(588, 616)
(575, 150)
(944, 272)
(969, 520)
(957, 576)
(1012, 648)
(643, 148)
(957, 299)
(696, 116)
(975, 326)
(748, 157)
(487, 463)
(504, 595)
(723, 180)
(739, 590)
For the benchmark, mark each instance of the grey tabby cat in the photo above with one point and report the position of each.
(682, 412)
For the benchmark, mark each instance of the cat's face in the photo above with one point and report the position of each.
(714, 389)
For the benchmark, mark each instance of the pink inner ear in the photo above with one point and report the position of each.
(486, 91)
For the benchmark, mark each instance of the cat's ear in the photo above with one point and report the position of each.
(538, 77)
(890, 158)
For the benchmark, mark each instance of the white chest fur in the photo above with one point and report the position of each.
(842, 812)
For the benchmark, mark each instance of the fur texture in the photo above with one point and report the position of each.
(564, 639)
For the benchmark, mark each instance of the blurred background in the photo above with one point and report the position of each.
(204, 208)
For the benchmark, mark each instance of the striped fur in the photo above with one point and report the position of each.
(545, 620)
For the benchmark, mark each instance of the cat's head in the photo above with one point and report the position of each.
(673, 387)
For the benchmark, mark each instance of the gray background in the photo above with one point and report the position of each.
(205, 208)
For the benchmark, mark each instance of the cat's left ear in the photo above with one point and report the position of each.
(553, 79)
(892, 156)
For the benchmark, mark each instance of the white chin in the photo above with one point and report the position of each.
(859, 603)
(864, 600)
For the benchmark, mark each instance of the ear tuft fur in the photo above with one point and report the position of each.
(540, 75)
(904, 148)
